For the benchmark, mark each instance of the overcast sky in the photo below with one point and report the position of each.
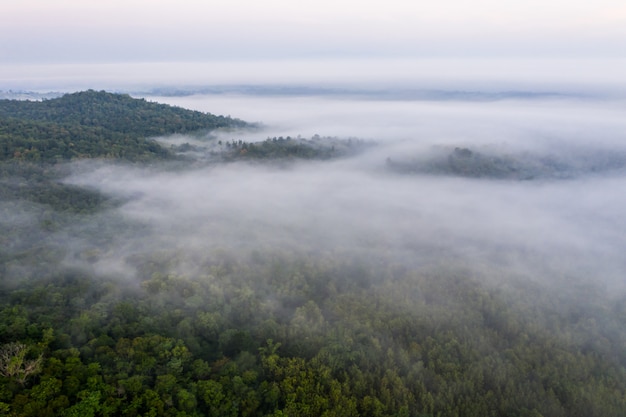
(149, 30)
(62, 32)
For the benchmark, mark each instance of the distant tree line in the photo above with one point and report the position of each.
(465, 162)
(297, 148)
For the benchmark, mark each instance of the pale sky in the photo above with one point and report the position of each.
(46, 44)
(197, 30)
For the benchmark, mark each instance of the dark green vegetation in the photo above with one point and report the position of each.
(469, 163)
(290, 334)
(41, 183)
(321, 331)
(278, 148)
(94, 124)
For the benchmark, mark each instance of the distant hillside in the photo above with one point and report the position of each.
(273, 149)
(463, 162)
(92, 124)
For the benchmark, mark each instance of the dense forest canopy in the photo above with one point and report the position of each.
(96, 124)
(216, 277)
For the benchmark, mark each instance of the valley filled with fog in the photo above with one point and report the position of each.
(342, 253)
(559, 222)
(312, 209)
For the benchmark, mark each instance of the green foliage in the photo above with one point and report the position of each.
(92, 124)
(14, 363)
(464, 162)
(42, 184)
(434, 342)
(292, 148)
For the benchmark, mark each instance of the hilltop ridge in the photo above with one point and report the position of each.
(96, 124)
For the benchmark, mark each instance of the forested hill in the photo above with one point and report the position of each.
(93, 124)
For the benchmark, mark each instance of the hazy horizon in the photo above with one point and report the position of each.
(483, 45)
(603, 77)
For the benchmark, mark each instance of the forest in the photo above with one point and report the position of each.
(95, 124)
(211, 307)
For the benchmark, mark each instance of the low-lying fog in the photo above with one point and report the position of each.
(562, 228)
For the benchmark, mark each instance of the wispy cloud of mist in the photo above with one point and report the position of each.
(547, 230)
(519, 123)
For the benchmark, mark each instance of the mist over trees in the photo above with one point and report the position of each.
(195, 271)
(465, 162)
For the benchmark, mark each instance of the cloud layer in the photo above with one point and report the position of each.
(552, 230)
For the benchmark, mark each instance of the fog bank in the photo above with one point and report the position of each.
(551, 230)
